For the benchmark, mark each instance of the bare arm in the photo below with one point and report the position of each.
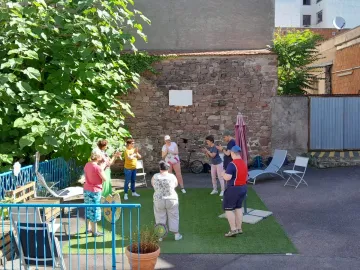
(103, 176)
(227, 177)
(176, 181)
(152, 181)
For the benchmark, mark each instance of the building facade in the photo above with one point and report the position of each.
(338, 70)
(316, 13)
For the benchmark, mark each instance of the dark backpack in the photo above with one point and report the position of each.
(258, 162)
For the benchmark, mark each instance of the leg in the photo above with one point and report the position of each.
(220, 170)
(230, 215)
(172, 209)
(133, 178)
(160, 212)
(213, 176)
(127, 180)
(170, 168)
(178, 174)
(238, 218)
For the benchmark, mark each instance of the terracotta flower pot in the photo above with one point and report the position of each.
(147, 261)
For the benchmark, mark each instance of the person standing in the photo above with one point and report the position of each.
(170, 153)
(166, 201)
(235, 176)
(230, 141)
(94, 178)
(105, 163)
(216, 164)
(131, 157)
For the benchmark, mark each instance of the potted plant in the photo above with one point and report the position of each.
(144, 254)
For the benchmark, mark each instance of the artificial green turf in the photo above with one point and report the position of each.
(202, 230)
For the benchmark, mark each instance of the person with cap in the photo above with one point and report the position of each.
(170, 153)
(226, 151)
(235, 176)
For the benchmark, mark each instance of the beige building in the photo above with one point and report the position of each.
(339, 67)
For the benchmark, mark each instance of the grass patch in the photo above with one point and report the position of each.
(203, 232)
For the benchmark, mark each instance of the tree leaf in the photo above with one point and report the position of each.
(32, 73)
(23, 87)
(26, 141)
(51, 140)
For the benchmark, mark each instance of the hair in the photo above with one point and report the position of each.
(210, 138)
(164, 166)
(129, 141)
(102, 143)
(95, 156)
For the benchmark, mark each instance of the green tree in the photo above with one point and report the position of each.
(61, 75)
(296, 51)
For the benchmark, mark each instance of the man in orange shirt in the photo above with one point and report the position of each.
(235, 176)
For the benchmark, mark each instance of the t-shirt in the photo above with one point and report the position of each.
(217, 159)
(130, 163)
(164, 186)
(171, 158)
(228, 159)
(93, 180)
(239, 172)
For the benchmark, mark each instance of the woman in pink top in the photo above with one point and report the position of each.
(94, 177)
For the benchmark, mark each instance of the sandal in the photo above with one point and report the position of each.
(231, 233)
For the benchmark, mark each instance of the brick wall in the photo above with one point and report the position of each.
(347, 58)
(221, 85)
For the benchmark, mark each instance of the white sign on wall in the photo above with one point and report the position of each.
(180, 98)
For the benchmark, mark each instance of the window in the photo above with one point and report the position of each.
(306, 20)
(319, 16)
(307, 2)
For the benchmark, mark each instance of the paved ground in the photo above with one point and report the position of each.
(322, 220)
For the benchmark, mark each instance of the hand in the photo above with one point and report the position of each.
(205, 150)
(219, 147)
(136, 150)
(117, 154)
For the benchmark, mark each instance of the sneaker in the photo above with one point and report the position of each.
(231, 233)
(134, 194)
(221, 193)
(183, 190)
(239, 231)
(160, 239)
(222, 215)
(214, 192)
(178, 237)
(126, 197)
(98, 234)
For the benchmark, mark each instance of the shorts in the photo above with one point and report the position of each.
(233, 197)
(92, 213)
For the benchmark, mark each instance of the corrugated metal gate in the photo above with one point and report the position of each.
(334, 123)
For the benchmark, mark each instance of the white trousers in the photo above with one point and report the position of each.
(167, 211)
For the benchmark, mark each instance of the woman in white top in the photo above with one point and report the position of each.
(166, 202)
(170, 153)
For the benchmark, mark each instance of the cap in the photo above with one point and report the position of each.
(227, 133)
(236, 149)
(167, 138)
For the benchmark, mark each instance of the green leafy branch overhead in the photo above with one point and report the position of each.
(296, 51)
(61, 68)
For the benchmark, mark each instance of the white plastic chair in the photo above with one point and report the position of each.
(298, 171)
(140, 166)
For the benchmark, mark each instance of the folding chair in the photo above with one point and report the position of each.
(36, 243)
(298, 172)
(140, 166)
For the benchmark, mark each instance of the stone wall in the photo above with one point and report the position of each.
(222, 86)
(290, 124)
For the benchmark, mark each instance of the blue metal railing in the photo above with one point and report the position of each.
(55, 236)
(55, 171)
